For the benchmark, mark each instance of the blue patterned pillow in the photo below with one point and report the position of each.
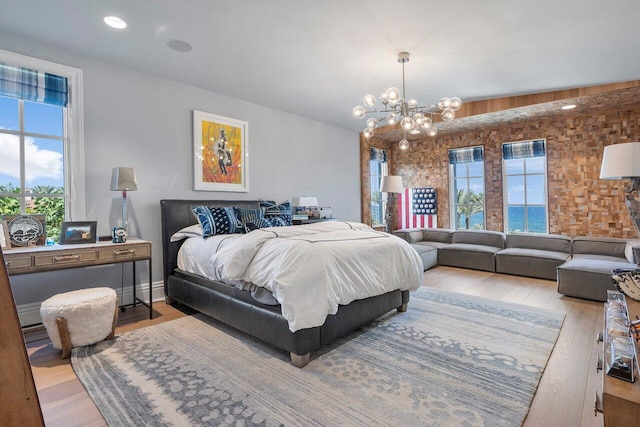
(270, 208)
(275, 221)
(248, 216)
(216, 220)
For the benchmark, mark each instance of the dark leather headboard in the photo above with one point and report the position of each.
(177, 214)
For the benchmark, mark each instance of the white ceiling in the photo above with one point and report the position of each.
(318, 58)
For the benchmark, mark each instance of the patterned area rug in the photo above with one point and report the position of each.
(450, 360)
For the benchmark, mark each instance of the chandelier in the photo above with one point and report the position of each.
(413, 119)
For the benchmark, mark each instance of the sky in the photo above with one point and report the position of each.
(44, 156)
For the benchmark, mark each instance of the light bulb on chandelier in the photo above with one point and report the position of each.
(412, 117)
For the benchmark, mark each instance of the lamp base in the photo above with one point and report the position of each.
(389, 214)
(632, 202)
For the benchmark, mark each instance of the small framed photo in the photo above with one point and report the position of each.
(74, 232)
(5, 242)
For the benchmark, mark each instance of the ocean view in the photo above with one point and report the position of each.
(537, 220)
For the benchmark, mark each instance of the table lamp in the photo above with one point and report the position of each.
(390, 184)
(123, 179)
(622, 161)
(304, 205)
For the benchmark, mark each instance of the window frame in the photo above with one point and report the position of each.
(505, 189)
(73, 123)
(452, 189)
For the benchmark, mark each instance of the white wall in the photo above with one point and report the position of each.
(143, 121)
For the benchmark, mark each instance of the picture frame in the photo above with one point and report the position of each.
(5, 242)
(78, 232)
(220, 153)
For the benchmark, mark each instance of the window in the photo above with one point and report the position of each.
(466, 188)
(40, 140)
(525, 186)
(378, 168)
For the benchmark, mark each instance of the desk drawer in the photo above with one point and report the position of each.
(77, 258)
(115, 252)
(17, 263)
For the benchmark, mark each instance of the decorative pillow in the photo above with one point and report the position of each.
(270, 208)
(276, 221)
(216, 220)
(248, 216)
(250, 226)
(190, 231)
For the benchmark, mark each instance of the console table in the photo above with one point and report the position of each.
(36, 259)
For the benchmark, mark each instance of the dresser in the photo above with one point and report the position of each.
(36, 259)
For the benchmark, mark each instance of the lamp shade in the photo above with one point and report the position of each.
(123, 179)
(304, 201)
(391, 184)
(620, 161)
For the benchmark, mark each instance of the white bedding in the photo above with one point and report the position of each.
(310, 269)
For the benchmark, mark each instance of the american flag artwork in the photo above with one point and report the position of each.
(418, 207)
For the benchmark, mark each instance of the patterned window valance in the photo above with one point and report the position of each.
(520, 150)
(378, 155)
(466, 155)
(33, 85)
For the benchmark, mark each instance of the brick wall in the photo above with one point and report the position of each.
(579, 202)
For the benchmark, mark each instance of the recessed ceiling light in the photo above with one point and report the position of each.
(569, 107)
(179, 45)
(115, 22)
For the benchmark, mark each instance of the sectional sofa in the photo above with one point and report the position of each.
(582, 266)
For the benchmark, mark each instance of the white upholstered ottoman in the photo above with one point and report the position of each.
(80, 318)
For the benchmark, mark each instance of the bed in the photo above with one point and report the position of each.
(238, 308)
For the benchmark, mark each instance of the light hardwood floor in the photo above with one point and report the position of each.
(564, 398)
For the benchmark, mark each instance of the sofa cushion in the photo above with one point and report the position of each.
(428, 254)
(544, 242)
(530, 262)
(534, 253)
(600, 258)
(440, 235)
(411, 235)
(588, 278)
(607, 246)
(432, 244)
(466, 255)
(485, 238)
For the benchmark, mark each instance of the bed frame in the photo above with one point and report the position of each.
(237, 308)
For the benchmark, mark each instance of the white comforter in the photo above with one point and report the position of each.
(311, 269)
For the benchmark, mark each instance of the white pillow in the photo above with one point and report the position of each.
(632, 251)
(190, 231)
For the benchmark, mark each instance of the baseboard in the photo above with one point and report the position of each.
(29, 314)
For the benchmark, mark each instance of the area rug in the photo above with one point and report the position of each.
(450, 360)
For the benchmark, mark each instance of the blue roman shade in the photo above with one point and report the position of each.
(32, 85)
(466, 155)
(378, 155)
(521, 150)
